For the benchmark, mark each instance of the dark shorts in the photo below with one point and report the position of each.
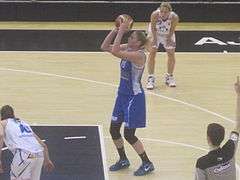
(130, 109)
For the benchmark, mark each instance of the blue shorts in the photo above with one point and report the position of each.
(130, 109)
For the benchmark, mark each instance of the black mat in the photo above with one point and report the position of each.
(75, 159)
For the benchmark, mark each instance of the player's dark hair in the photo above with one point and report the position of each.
(216, 133)
(141, 36)
(7, 112)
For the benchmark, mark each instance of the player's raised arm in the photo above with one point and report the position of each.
(134, 56)
(237, 89)
(106, 44)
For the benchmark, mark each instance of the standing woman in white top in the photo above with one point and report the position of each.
(30, 153)
(162, 31)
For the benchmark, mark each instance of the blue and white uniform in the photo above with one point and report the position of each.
(130, 105)
(28, 153)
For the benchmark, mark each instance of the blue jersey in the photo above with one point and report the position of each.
(130, 105)
(131, 75)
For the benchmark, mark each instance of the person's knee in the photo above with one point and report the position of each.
(115, 131)
(130, 137)
(152, 56)
(171, 54)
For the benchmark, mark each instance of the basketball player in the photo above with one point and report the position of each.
(130, 102)
(161, 31)
(219, 163)
(30, 153)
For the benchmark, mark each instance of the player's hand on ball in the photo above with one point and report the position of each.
(124, 26)
(48, 165)
(125, 21)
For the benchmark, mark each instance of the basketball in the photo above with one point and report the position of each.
(124, 17)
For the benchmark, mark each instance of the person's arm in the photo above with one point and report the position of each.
(134, 56)
(106, 44)
(175, 21)
(154, 29)
(1, 145)
(200, 174)
(232, 144)
(47, 162)
(237, 89)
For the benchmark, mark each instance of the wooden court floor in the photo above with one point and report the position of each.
(80, 88)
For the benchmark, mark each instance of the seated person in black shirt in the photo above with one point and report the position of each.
(219, 163)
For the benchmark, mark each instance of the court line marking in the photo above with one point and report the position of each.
(101, 52)
(39, 124)
(170, 142)
(103, 151)
(114, 85)
(193, 106)
(75, 137)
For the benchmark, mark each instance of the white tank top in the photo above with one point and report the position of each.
(19, 135)
(163, 26)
